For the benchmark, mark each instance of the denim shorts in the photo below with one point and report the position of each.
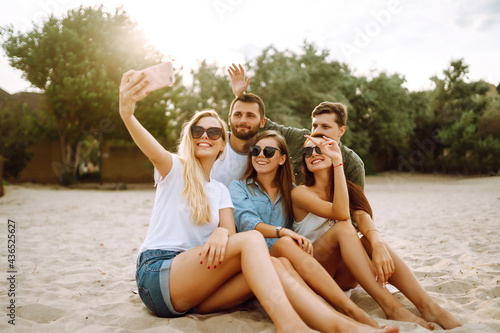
(152, 277)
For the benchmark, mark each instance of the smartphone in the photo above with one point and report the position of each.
(159, 76)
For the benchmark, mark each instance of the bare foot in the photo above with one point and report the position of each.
(360, 316)
(438, 315)
(402, 314)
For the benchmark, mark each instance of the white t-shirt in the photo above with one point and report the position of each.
(230, 166)
(171, 227)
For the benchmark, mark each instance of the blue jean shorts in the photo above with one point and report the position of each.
(152, 277)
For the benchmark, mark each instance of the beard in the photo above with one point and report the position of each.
(244, 133)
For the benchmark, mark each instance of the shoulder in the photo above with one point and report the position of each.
(217, 189)
(237, 184)
(299, 191)
(351, 154)
(287, 131)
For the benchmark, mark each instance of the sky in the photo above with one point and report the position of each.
(416, 39)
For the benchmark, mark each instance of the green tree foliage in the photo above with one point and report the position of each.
(384, 111)
(17, 125)
(78, 61)
(292, 84)
(458, 106)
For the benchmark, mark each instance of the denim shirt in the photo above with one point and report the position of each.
(252, 205)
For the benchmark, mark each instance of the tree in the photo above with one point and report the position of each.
(17, 127)
(458, 106)
(77, 61)
(385, 112)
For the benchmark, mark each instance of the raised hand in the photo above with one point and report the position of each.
(132, 90)
(238, 82)
(329, 147)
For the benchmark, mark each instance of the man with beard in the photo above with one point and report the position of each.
(246, 118)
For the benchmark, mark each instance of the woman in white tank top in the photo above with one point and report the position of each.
(322, 211)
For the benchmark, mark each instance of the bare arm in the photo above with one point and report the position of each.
(214, 250)
(132, 90)
(304, 199)
(381, 258)
(269, 231)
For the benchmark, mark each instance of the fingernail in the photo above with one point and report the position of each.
(208, 267)
(201, 262)
(215, 266)
(220, 262)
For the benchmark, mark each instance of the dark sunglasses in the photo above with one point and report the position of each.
(213, 133)
(308, 151)
(268, 151)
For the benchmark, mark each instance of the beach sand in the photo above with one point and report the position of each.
(76, 250)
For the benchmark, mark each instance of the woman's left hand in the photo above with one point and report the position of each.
(382, 261)
(329, 147)
(215, 248)
(303, 242)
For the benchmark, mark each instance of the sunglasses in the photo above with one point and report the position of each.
(213, 133)
(308, 151)
(268, 151)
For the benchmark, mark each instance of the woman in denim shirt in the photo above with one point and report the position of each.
(262, 201)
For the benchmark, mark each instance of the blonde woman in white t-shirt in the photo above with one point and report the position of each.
(192, 259)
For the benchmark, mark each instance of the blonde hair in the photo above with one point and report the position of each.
(194, 178)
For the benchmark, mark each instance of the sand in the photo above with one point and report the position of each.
(76, 250)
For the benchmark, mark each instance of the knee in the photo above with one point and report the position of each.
(284, 242)
(346, 228)
(252, 238)
(282, 246)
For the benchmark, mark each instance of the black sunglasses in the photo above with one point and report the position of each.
(308, 151)
(213, 133)
(268, 151)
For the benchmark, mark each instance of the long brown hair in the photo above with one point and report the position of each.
(357, 198)
(284, 176)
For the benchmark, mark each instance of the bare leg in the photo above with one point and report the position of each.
(404, 279)
(356, 259)
(318, 279)
(312, 309)
(246, 252)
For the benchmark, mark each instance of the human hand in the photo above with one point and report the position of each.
(329, 147)
(132, 90)
(214, 250)
(382, 262)
(238, 82)
(303, 242)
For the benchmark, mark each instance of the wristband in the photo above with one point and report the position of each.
(278, 231)
(337, 165)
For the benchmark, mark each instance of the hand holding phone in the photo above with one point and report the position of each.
(159, 76)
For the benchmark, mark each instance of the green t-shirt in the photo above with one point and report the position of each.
(354, 167)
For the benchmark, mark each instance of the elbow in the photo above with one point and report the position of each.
(343, 217)
(340, 216)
